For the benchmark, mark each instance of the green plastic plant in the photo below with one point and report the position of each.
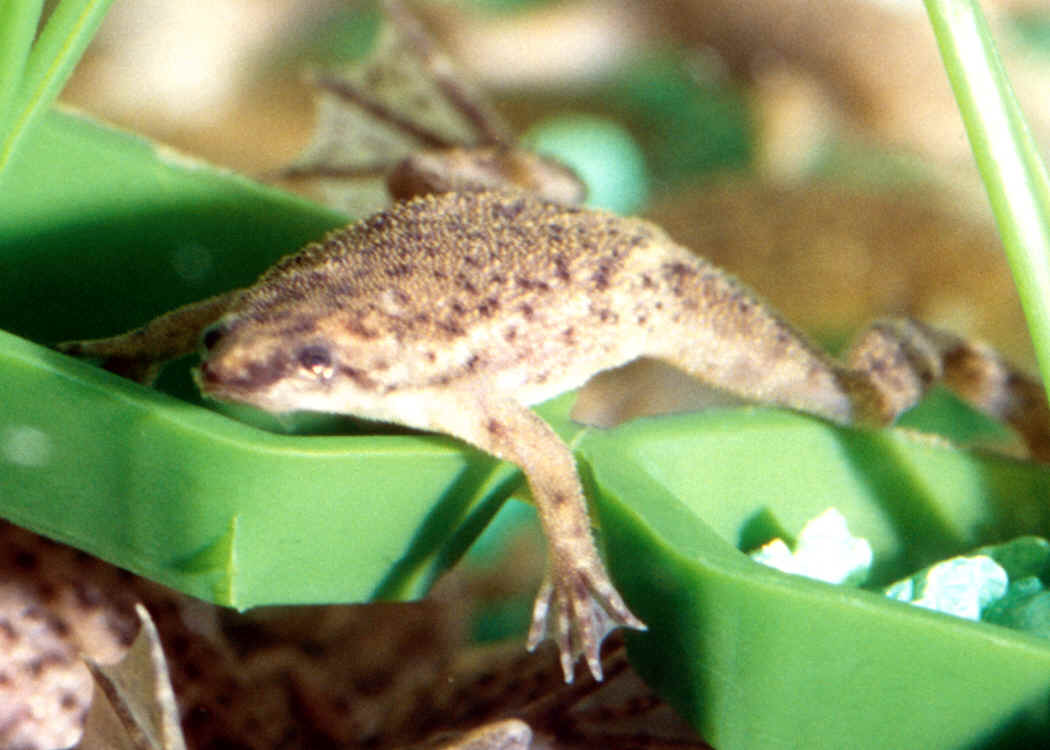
(32, 73)
(100, 229)
(1013, 172)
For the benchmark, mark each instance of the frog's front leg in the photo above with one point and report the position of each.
(577, 604)
(140, 354)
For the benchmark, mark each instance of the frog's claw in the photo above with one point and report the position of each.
(578, 609)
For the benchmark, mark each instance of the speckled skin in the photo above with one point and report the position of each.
(455, 312)
(507, 293)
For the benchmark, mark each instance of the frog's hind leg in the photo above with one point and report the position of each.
(717, 330)
(725, 336)
(140, 354)
(895, 361)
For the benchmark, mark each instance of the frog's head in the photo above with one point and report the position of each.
(280, 369)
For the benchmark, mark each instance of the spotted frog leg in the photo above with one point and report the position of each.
(577, 604)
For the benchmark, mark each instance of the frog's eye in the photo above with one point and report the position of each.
(211, 336)
(317, 360)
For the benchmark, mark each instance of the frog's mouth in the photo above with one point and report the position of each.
(247, 382)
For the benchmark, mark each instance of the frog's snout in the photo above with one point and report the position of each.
(240, 379)
(208, 374)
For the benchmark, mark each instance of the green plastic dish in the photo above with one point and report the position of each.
(100, 230)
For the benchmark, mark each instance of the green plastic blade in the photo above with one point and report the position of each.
(54, 54)
(755, 658)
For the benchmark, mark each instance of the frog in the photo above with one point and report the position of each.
(456, 312)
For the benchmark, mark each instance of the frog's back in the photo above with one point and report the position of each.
(438, 266)
(527, 296)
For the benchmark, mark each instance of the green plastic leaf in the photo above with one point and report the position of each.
(54, 54)
(18, 23)
(1013, 173)
(758, 658)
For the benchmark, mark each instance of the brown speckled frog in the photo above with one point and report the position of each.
(454, 313)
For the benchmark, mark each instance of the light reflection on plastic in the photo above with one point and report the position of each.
(25, 445)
